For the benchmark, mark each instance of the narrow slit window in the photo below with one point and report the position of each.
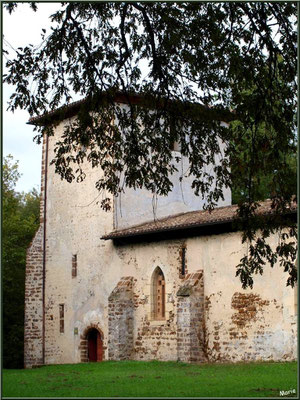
(296, 299)
(74, 265)
(296, 293)
(61, 318)
(183, 261)
(175, 144)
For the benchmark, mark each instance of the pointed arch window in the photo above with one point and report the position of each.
(158, 294)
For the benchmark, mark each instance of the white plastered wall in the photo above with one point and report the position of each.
(75, 223)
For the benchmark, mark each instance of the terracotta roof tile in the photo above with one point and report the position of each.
(189, 220)
(65, 109)
(69, 110)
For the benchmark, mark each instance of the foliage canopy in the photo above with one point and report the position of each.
(20, 222)
(232, 56)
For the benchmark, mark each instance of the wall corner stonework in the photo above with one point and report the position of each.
(190, 319)
(33, 323)
(120, 320)
(34, 282)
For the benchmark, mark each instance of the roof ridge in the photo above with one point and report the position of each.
(119, 97)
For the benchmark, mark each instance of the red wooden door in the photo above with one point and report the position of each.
(92, 345)
(95, 346)
(99, 347)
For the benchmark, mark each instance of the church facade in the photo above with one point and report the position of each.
(116, 285)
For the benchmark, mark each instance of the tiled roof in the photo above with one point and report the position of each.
(67, 110)
(71, 109)
(191, 219)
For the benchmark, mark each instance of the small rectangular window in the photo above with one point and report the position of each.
(176, 146)
(183, 261)
(61, 318)
(296, 299)
(74, 265)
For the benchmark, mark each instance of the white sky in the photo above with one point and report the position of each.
(23, 27)
(20, 28)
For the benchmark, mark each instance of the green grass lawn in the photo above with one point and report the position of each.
(151, 379)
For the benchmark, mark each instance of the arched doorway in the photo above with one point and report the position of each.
(91, 345)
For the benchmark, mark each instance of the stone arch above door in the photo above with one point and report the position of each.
(83, 347)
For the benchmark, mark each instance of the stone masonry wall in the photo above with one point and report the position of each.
(120, 320)
(190, 319)
(75, 224)
(33, 321)
(238, 325)
(218, 321)
(256, 324)
(153, 339)
(33, 353)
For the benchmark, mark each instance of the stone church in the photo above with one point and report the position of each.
(120, 285)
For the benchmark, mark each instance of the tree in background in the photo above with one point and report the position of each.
(20, 222)
(266, 180)
(194, 63)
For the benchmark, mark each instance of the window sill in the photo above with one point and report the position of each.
(158, 322)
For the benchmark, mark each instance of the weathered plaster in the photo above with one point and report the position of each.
(232, 324)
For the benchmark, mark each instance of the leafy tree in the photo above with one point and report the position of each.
(194, 64)
(265, 185)
(20, 221)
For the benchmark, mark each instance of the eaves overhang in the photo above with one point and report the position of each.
(197, 223)
(70, 110)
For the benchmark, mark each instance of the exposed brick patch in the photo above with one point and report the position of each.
(120, 320)
(249, 336)
(190, 319)
(152, 339)
(246, 305)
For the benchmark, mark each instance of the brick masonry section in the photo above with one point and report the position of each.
(34, 302)
(190, 319)
(33, 325)
(120, 320)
